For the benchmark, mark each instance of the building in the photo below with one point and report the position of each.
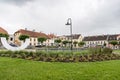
(115, 37)
(11, 39)
(2, 31)
(32, 34)
(100, 40)
(51, 40)
(91, 41)
(75, 38)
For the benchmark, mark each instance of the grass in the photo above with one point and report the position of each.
(116, 51)
(18, 69)
(65, 52)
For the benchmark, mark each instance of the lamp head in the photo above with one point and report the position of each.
(67, 23)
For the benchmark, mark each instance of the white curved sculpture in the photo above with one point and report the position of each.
(9, 47)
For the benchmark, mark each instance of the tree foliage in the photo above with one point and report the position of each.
(42, 39)
(23, 37)
(75, 42)
(81, 43)
(113, 43)
(57, 41)
(65, 42)
(4, 35)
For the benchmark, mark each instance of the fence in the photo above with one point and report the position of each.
(60, 49)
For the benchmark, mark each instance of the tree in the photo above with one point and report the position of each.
(65, 42)
(42, 39)
(58, 41)
(81, 43)
(69, 42)
(23, 37)
(4, 35)
(75, 42)
(119, 44)
(113, 43)
(104, 44)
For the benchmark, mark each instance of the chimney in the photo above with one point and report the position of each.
(25, 28)
(33, 30)
(40, 31)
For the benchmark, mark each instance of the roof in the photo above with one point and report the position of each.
(3, 31)
(52, 36)
(74, 36)
(113, 37)
(101, 37)
(32, 33)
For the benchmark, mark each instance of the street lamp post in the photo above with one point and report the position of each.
(69, 22)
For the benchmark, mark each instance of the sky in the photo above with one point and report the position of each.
(89, 17)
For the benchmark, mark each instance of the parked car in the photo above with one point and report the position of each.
(14, 45)
(40, 46)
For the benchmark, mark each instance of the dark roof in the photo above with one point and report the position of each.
(101, 37)
(113, 37)
(74, 36)
(32, 33)
(95, 38)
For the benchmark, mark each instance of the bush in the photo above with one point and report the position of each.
(107, 51)
(95, 50)
(97, 54)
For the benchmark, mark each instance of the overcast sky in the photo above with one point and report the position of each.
(89, 17)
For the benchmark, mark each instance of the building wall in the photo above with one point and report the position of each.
(50, 42)
(63, 38)
(33, 40)
(95, 43)
(11, 39)
(16, 38)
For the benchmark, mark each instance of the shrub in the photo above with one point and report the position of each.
(95, 50)
(97, 54)
(107, 51)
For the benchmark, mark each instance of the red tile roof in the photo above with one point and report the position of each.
(32, 33)
(3, 31)
(52, 36)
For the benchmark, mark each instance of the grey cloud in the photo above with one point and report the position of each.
(104, 20)
(16, 2)
(88, 16)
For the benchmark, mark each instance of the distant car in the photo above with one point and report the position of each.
(14, 45)
(40, 46)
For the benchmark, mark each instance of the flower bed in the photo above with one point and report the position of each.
(95, 55)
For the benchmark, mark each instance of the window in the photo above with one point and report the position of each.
(30, 44)
(98, 42)
(88, 42)
(34, 39)
(30, 39)
(11, 39)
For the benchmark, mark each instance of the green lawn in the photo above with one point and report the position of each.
(116, 51)
(18, 69)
